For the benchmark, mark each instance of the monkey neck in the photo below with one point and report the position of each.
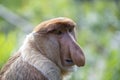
(49, 69)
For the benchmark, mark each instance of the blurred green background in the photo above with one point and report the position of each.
(98, 31)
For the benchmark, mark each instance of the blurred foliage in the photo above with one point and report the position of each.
(98, 32)
(7, 43)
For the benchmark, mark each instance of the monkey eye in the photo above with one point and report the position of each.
(70, 30)
(58, 32)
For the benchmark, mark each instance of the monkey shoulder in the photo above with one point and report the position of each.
(21, 70)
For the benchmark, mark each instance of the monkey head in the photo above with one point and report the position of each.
(56, 40)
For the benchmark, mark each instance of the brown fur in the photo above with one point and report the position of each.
(48, 53)
(24, 71)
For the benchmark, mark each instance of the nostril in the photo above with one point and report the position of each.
(69, 60)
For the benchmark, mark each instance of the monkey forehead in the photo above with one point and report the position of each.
(61, 22)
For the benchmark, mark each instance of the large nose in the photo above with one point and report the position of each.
(76, 52)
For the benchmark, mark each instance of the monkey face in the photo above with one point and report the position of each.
(59, 43)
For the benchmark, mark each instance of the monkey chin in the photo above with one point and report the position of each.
(68, 69)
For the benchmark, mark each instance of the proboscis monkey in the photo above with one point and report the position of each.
(48, 53)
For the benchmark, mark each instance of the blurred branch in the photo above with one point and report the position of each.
(15, 19)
